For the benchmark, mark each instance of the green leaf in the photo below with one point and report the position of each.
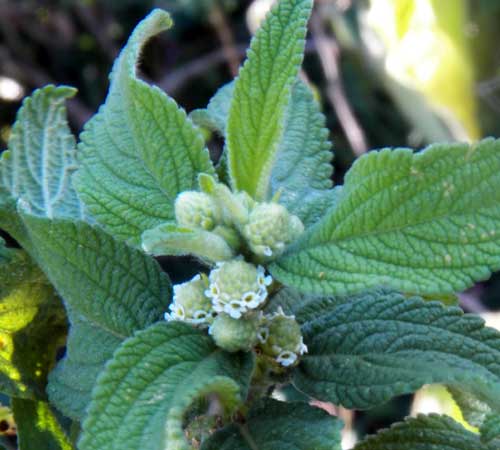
(273, 425)
(431, 432)
(214, 117)
(427, 223)
(261, 94)
(37, 426)
(40, 160)
(168, 239)
(32, 326)
(367, 349)
(142, 396)
(140, 150)
(473, 410)
(490, 431)
(110, 291)
(302, 171)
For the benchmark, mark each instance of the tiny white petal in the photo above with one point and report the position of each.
(268, 280)
(267, 251)
(286, 358)
(263, 335)
(234, 309)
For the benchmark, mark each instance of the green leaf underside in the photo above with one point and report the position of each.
(261, 94)
(431, 432)
(110, 291)
(473, 410)
(142, 396)
(302, 170)
(40, 160)
(274, 425)
(37, 427)
(426, 223)
(169, 239)
(32, 326)
(140, 150)
(490, 431)
(214, 117)
(367, 349)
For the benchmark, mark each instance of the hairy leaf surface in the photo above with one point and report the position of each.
(273, 425)
(302, 171)
(427, 223)
(37, 426)
(367, 349)
(431, 432)
(261, 94)
(140, 150)
(40, 160)
(141, 397)
(214, 117)
(110, 291)
(490, 431)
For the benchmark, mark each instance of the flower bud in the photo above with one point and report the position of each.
(196, 210)
(234, 335)
(190, 304)
(270, 229)
(237, 287)
(281, 338)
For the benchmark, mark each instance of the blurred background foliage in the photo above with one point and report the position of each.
(387, 73)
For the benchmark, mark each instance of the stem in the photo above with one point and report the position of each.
(328, 53)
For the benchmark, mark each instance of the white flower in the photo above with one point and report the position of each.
(235, 309)
(286, 358)
(177, 313)
(263, 335)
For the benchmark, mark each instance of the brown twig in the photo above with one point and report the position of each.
(221, 27)
(34, 77)
(328, 53)
(176, 79)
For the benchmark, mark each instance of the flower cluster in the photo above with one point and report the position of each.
(190, 303)
(229, 301)
(237, 287)
(270, 229)
(234, 288)
(263, 228)
(280, 338)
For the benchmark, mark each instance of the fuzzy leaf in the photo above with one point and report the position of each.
(169, 239)
(302, 171)
(261, 94)
(32, 326)
(142, 396)
(37, 426)
(214, 117)
(427, 223)
(273, 425)
(110, 291)
(490, 431)
(473, 410)
(140, 150)
(431, 432)
(367, 349)
(40, 160)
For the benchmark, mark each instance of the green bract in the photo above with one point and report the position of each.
(301, 292)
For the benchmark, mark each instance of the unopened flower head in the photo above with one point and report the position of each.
(190, 304)
(281, 338)
(196, 210)
(235, 334)
(270, 229)
(237, 287)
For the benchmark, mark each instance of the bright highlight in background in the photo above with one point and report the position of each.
(10, 89)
